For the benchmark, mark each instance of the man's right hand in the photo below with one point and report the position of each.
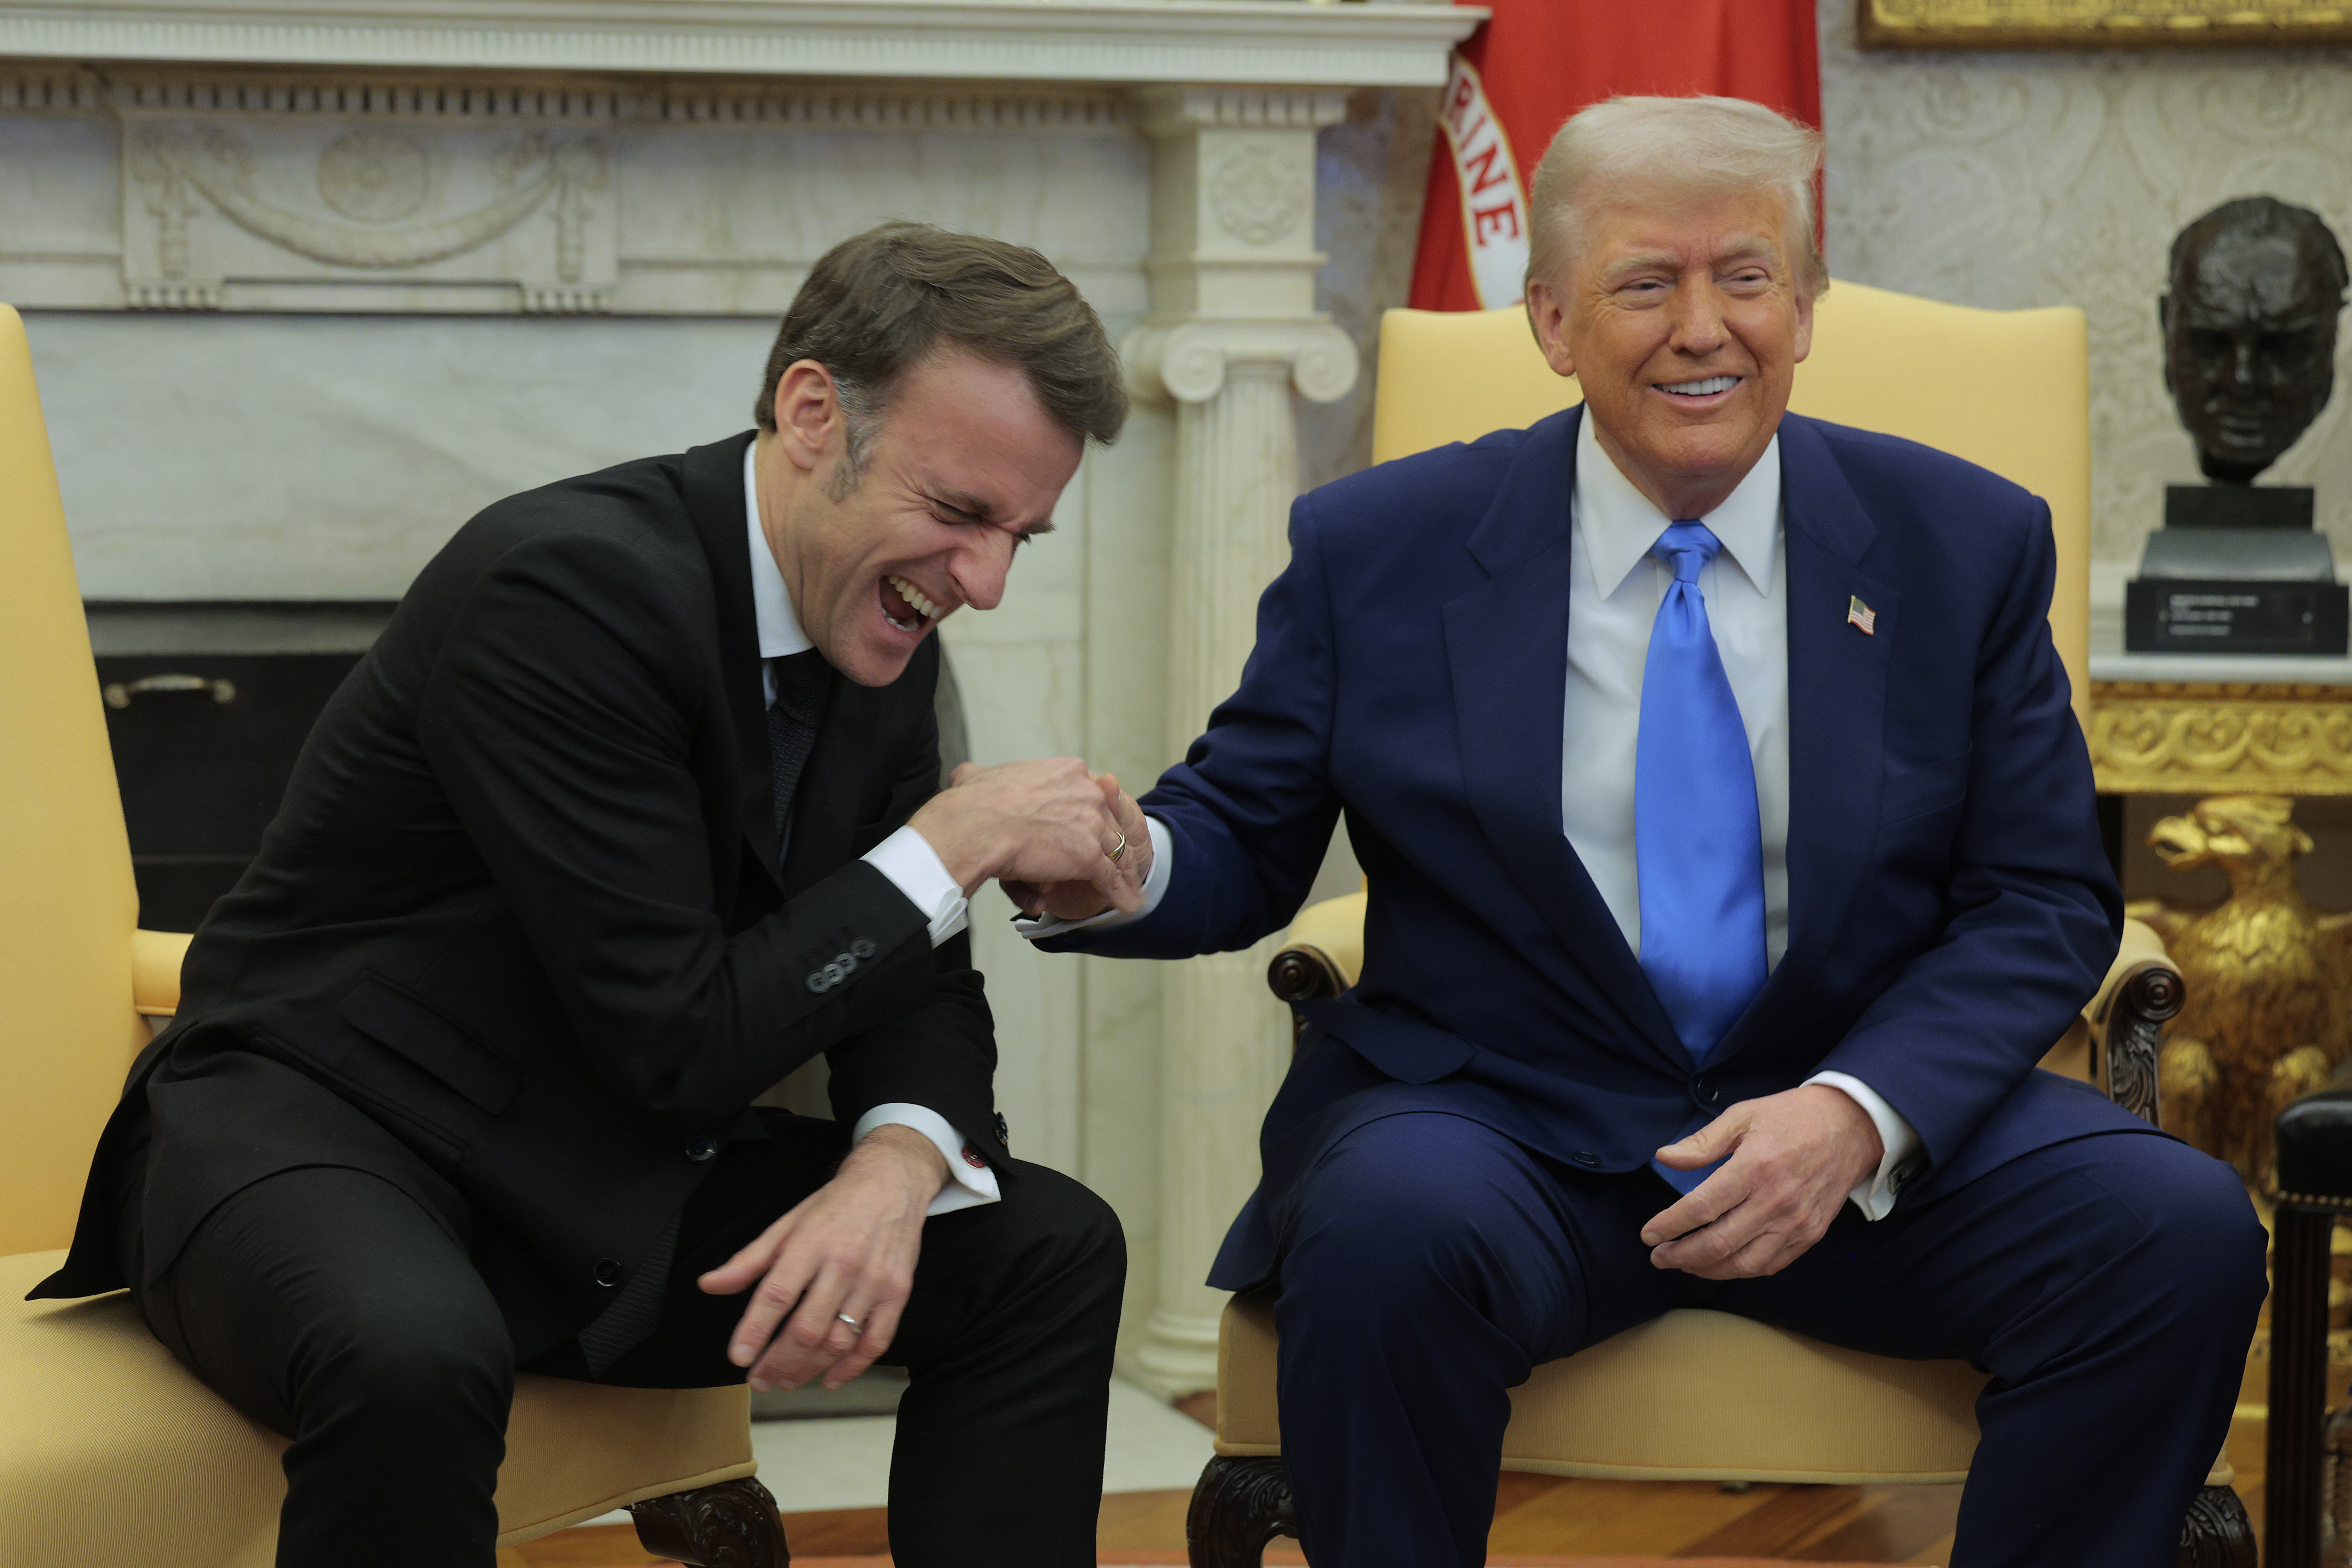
(1048, 821)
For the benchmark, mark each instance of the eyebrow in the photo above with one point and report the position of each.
(1742, 247)
(980, 510)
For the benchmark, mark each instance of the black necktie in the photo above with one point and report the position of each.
(802, 681)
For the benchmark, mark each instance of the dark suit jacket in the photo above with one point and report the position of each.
(1951, 907)
(518, 921)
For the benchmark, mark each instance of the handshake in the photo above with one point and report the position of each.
(1064, 841)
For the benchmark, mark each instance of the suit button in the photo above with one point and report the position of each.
(608, 1272)
(862, 948)
(1586, 1157)
(1706, 1090)
(1004, 1134)
(703, 1150)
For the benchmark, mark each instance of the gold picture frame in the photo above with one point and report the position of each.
(2100, 24)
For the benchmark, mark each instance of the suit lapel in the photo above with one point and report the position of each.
(1837, 712)
(1507, 650)
(714, 499)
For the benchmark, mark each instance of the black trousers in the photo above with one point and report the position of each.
(338, 1312)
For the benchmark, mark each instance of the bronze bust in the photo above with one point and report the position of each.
(2250, 331)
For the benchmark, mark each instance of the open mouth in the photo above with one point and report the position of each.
(1700, 390)
(905, 606)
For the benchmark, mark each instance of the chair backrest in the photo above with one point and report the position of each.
(67, 905)
(2009, 389)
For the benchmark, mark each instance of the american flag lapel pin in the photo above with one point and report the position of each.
(1858, 613)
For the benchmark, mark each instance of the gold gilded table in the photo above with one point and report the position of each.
(2221, 737)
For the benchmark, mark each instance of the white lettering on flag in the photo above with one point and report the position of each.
(1493, 199)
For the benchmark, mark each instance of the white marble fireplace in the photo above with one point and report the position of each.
(308, 283)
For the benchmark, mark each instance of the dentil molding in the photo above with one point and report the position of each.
(1381, 44)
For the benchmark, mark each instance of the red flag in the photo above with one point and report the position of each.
(1518, 80)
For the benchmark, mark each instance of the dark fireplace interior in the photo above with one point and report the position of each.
(208, 704)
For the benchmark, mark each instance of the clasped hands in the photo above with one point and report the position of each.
(830, 1279)
(1794, 1158)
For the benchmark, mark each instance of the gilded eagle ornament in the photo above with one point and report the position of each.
(2267, 1010)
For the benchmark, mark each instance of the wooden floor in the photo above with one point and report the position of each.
(1533, 1514)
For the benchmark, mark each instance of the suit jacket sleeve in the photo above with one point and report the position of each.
(561, 717)
(2034, 915)
(1250, 809)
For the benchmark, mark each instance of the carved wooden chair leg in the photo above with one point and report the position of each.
(1238, 1506)
(732, 1525)
(2217, 1533)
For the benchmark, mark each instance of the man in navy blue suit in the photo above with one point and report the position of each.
(1732, 862)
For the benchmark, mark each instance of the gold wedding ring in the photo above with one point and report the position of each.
(1119, 854)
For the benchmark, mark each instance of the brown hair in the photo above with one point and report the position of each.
(875, 305)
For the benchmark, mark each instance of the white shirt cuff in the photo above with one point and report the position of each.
(970, 1180)
(907, 858)
(1876, 1197)
(1155, 888)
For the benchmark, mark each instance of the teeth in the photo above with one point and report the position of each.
(1704, 387)
(915, 597)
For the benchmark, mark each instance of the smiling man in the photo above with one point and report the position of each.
(1732, 860)
(631, 810)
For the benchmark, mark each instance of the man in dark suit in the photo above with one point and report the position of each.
(1732, 861)
(633, 809)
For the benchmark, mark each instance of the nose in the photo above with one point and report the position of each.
(979, 567)
(1697, 316)
(2244, 366)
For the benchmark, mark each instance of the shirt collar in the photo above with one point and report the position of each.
(771, 604)
(1619, 523)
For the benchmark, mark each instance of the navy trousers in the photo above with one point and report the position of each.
(1429, 1264)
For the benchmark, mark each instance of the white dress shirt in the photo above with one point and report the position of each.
(906, 858)
(1614, 589)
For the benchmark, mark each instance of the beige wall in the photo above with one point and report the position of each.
(2059, 177)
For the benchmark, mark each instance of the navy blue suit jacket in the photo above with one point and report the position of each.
(1950, 906)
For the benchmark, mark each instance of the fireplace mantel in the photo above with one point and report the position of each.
(1256, 42)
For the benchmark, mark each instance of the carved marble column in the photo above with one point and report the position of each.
(1232, 333)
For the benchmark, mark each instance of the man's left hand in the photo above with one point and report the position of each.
(1080, 900)
(1795, 1157)
(846, 1250)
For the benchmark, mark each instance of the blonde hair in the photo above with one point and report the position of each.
(1681, 146)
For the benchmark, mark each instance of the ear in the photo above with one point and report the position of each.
(1548, 318)
(1804, 325)
(808, 415)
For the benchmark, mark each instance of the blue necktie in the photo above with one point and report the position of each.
(1698, 844)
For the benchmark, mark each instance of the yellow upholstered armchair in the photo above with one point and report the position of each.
(111, 1455)
(1720, 1397)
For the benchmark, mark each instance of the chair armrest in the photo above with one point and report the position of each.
(1324, 953)
(2142, 991)
(156, 958)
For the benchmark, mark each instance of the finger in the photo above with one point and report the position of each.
(772, 1299)
(1709, 1143)
(877, 1319)
(739, 1272)
(1107, 877)
(964, 772)
(1701, 1206)
(799, 1351)
(1029, 898)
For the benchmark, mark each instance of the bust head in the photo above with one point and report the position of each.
(2250, 331)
